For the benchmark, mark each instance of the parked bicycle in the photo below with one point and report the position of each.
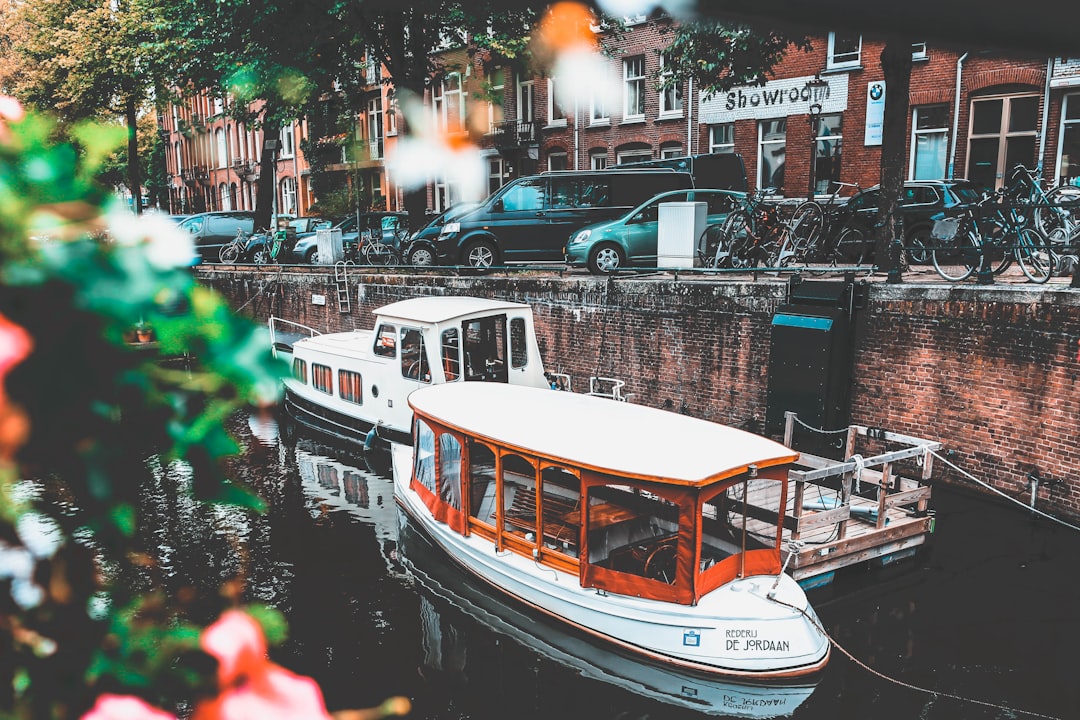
(1056, 209)
(236, 250)
(751, 236)
(986, 237)
(814, 220)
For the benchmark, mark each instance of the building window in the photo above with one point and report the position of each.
(351, 387)
(918, 51)
(633, 155)
(556, 114)
(179, 159)
(671, 96)
(1002, 133)
(391, 113)
(598, 158)
(929, 142)
(222, 148)
(598, 111)
(375, 128)
(526, 100)
(722, 138)
(634, 87)
(1069, 150)
(288, 196)
(495, 174)
(496, 97)
(288, 144)
(449, 104)
(557, 161)
(845, 51)
(225, 199)
(772, 151)
(828, 140)
(322, 378)
(671, 150)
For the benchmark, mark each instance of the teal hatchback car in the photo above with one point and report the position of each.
(631, 239)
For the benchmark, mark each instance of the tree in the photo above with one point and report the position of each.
(82, 59)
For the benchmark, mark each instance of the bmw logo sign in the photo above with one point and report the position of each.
(876, 91)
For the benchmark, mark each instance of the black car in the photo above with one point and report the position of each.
(421, 247)
(211, 230)
(921, 201)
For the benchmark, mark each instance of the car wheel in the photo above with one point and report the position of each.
(260, 255)
(918, 242)
(606, 259)
(312, 257)
(421, 256)
(481, 254)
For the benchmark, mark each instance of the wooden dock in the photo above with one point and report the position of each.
(841, 513)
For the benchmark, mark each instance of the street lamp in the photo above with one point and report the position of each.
(811, 91)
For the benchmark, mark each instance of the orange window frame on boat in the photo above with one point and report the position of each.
(641, 536)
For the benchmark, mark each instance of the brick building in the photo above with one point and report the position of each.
(973, 115)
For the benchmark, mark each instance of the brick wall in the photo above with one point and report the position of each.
(990, 372)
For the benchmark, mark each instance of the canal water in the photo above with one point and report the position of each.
(987, 617)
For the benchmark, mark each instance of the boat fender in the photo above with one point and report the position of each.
(371, 437)
(859, 464)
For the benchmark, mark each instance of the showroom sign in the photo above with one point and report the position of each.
(776, 98)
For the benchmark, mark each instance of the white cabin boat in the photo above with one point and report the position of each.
(353, 385)
(627, 522)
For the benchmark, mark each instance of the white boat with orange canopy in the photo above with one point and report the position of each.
(627, 522)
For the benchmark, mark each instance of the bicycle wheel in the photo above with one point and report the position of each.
(1034, 256)
(230, 252)
(380, 254)
(957, 258)
(709, 245)
(735, 241)
(1062, 209)
(806, 224)
(851, 249)
(998, 253)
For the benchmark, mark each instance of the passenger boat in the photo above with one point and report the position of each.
(353, 385)
(627, 522)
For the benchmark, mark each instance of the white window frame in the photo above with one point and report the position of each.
(634, 87)
(918, 51)
(223, 197)
(1066, 103)
(916, 133)
(221, 148)
(626, 156)
(288, 195)
(497, 85)
(832, 63)
(443, 95)
(560, 154)
(288, 145)
(725, 146)
(671, 151)
(391, 113)
(375, 127)
(762, 143)
(672, 95)
(598, 159)
(526, 100)
(553, 106)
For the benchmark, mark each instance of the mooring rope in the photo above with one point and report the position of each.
(820, 430)
(993, 489)
(902, 683)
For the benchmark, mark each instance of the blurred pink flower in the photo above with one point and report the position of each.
(11, 110)
(252, 687)
(15, 345)
(125, 707)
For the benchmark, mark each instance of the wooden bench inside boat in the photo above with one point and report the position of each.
(560, 528)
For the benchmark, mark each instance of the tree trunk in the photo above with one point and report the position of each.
(896, 64)
(131, 117)
(266, 190)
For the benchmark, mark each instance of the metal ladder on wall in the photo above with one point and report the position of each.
(341, 280)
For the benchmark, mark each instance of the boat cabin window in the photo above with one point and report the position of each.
(485, 349)
(351, 386)
(519, 497)
(414, 362)
(299, 370)
(450, 470)
(482, 494)
(322, 378)
(451, 354)
(385, 341)
(633, 531)
(560, 496)
(519, 349)
(424, 456)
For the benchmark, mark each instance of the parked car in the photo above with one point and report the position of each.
(631, 239)
(724, 171)
(258, 247)
(311, 224)
(211, 230)
(391, 226)
(921, 201)
(421, 247)
(530, 218)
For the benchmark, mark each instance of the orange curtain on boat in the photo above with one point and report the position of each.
(437, 503)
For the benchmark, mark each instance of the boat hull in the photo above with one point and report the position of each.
(736, 631)
(341, 426)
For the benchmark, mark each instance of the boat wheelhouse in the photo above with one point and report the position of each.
(628, 522)
(353, 385)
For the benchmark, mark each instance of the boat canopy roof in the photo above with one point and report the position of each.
(600, 434)
(440, 308)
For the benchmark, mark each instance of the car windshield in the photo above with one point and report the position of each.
(966, 193)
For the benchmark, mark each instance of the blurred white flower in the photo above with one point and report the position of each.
(429, 154)
(584, 80)
(166, 246)
(17, 565)
(39, 534)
